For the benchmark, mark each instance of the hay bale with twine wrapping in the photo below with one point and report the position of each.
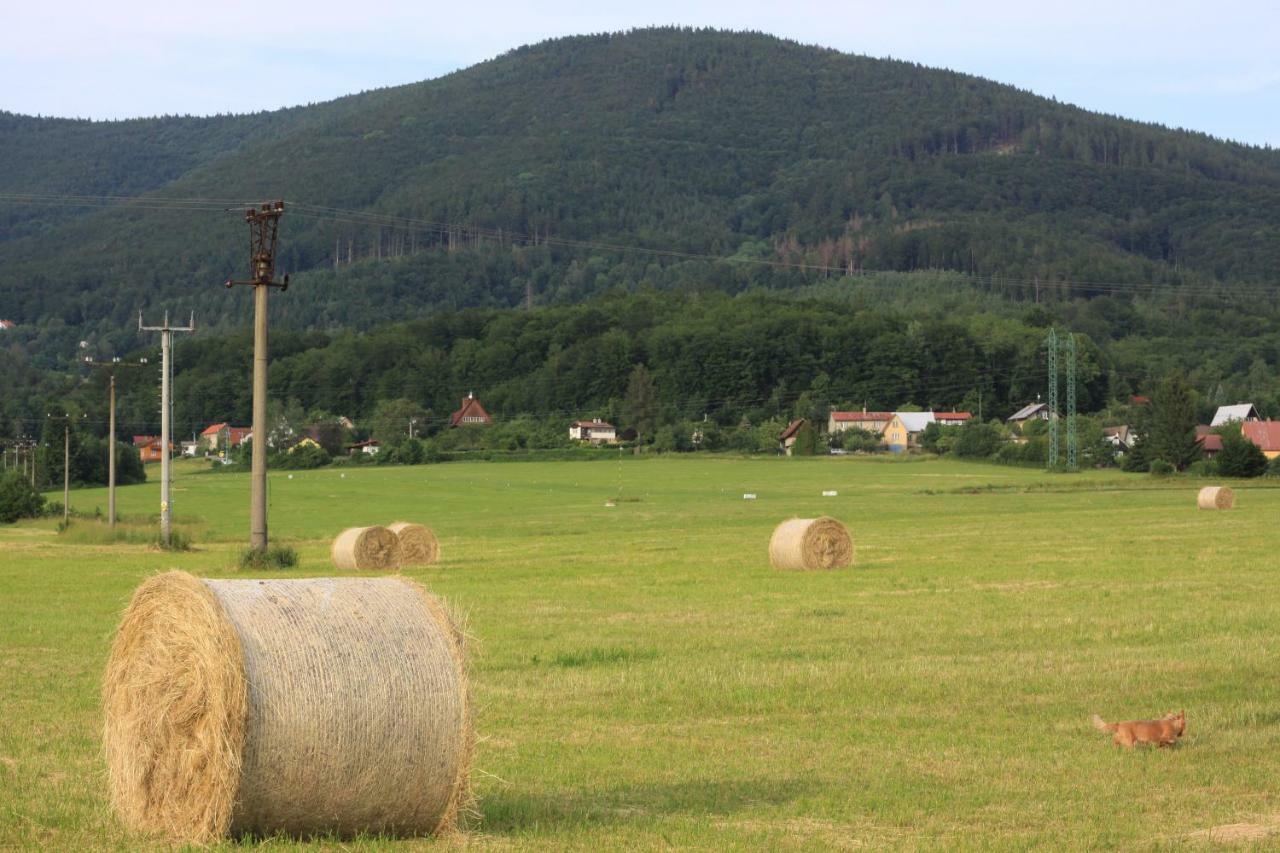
(366, 548)
(418, 544)
(327, 705)
(811, 543)
(1216, 497)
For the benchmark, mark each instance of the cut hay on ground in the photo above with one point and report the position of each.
(327, 705)
(366, 548)
(811, 543)
(1216, 497)
(418, 544)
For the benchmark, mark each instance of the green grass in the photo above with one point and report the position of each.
(643, 679)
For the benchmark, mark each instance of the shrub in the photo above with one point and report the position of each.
(1240, 457)
(1273, 467)
(274, 557)
(1160, 468)
(18, 498)
(1203, 468)
(978, 441)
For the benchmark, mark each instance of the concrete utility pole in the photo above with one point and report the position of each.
(110, 367)
(166, 409)
(264, 226)
(66, 465)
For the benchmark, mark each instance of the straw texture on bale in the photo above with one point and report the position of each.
(418, 544)
(326, 705)
(811, 543)
(1216, 497)
(366, 548)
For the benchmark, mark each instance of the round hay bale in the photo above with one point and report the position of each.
(418, 544)
(366, 548)
(1216, 497)
(326, 705)
(811, 543)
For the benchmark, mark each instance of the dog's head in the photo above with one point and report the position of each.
(1179, 721)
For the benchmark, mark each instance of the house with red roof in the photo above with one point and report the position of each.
(1210, 441)
(873, 422)
(952, 418)
(223, 437)
(471, 413)
(1265, 434)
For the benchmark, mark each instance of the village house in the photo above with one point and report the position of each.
(470, 414)
(594, 431)
(5, 325)
(1121, 438)
(1210, 442)
(1265, 434)
(1032, 412)
(1244, 412)
(189, 448)
(873, 422)
(368, 448)
(903, 431)
(151, 448)
(952, 418)
(223, 437)
(787, 438)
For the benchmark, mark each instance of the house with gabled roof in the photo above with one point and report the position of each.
(1243, 412)
(1030, 412)
(873, 422)
(787, 438)
(471, 413)
(595, 431)
(1265, 434)
(904, 430)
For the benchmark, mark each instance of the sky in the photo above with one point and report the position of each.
(1196, 65)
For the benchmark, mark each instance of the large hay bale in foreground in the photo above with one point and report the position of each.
(366, 548)
(418, 545)
(327, 705)
(1216, 497)
(811, 543)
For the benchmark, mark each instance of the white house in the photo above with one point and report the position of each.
(596, 432)
(1244, 412)
(368, 448)
(1033, 412)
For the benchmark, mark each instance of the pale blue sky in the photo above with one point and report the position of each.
(1209, 67)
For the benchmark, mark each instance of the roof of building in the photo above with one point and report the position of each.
(471, 408)
(792, 429)
(1211, 441)
(1028, 411)
(915, 421)
(862, 416)
(1265, 434)
(1139, 400)
(371, 442)
(139, 440)
(1120, 432)
(593, 424)
(7, 324)
(953, 416)
(214, 429)
(1238, 412)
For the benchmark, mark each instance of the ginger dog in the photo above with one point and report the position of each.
(1162, 732)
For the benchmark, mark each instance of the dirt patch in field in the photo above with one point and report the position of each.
(1237, 833)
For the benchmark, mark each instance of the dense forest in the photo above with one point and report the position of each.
(670, 158)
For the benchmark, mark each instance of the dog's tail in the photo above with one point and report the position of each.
(1103, 726)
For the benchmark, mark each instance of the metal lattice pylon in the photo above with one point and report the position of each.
(1052, 345)
(1071, 402)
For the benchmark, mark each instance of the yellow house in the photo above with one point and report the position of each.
(905, 428)
(1265, 434)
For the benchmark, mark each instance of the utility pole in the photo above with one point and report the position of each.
(1052, 344)
(412, 421)
(166, 409)
(66, 464)
(264, 226)
(110, 367)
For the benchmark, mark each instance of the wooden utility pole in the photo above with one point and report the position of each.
(66, 465)
(264, 225)
(166, 410)
(110, 367)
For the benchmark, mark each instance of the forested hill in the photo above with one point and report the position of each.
(680, 141)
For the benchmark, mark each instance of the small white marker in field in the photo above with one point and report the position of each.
(290, 476)
(749, 496)
(342, 476)
(830, 493)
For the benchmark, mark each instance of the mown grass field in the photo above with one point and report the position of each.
(643, 678)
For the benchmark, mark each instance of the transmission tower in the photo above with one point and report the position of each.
(1052, 344)
(1062, 348)
(1071, 402)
